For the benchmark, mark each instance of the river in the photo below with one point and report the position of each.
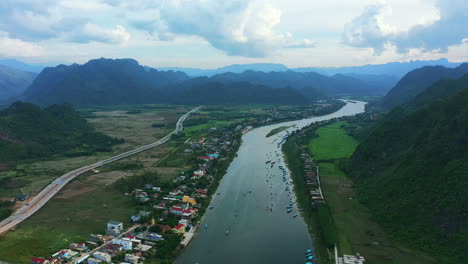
(256, 233)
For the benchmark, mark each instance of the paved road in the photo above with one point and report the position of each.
(48, 192)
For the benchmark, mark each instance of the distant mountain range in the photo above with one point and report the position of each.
(124, 81)
(395, 69)
(417, 81)
(13, 82)
(15, 64)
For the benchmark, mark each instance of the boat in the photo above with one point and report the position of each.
(227, 232)
(206, 226)
(308, 251)
(294, 216)
(211, 207)
(289, 210)
(218, 193)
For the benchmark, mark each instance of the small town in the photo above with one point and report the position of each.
(169, 214)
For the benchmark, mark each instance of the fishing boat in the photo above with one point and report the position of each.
(211, 207)
(289, 210)
(294, 216)
(206, 226)
(227, 232)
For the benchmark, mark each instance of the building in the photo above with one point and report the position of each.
(177, 209)
(179, 229)
(102, 256)
(189, 199)
(125, 242)
(66, 254)
(351, 259)
(94, 261)
(131, 258)
(35, 260)
(114, 228)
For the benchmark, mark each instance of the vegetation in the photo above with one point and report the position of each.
(27, 131)
(333, 143)
(276, 130)
(417, 81)
(5, 209)
(415, 164)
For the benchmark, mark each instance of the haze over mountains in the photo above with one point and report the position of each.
(14, 82)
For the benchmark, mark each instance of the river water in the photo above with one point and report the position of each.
(251, 206)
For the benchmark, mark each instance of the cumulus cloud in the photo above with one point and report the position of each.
(35, 20)
(11, 47)
(237, 27)
(369, 31)
(91, 32)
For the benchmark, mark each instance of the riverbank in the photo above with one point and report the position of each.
(350, 225)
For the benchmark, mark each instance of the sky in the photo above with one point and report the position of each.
(214, 33)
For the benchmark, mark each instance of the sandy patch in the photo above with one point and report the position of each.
(106, 178)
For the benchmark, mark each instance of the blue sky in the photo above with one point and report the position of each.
(213, 33)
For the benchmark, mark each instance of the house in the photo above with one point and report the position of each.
(125, 242)
(199, 173)
(189, 200)
(157, 189)
(202, 193)
(78, 246)
(184, 222)
(114, 228)
(66, 254)
(21, 197)
(135, 218)
(131, 258)
(188, 213)
(176, 209)
(179, 229)
(102, 256)
(94, 261)
(35, 260)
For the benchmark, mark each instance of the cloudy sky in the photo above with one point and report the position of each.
(213, 33)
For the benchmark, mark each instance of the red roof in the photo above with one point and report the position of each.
(38, 260)
(130, 236)
(176, 209)
(201, 191)
(179, 226)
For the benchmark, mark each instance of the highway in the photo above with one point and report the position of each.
(28, 209)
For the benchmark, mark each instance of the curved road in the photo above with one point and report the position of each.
(48, 192)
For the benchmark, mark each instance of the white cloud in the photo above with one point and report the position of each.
(11, 47)
(92, 32)
(369, 31)
(237, 27)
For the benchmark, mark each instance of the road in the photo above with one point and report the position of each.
(53, 188)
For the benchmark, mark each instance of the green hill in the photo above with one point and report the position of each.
(417, 81)
(412, 172)
(28, 131)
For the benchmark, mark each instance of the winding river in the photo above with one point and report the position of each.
(249, 223)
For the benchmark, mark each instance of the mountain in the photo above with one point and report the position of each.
(234, 68)
(13, 82)
(417, 80)
(203, 90)
(101, 82)
(395, 69)
(412, 173)
(28, 131)
(440, 90)
(332, 86)
(15, 64)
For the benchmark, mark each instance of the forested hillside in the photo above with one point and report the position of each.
(412, 172)
(27, 131)
(417, 81)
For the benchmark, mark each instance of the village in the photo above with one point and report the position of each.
(168, 215)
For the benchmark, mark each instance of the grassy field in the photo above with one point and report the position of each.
(332, 143)
(356, 232)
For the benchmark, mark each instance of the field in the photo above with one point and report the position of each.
(85, 205)
(355, 231)
(332, 143)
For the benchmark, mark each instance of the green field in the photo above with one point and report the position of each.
(63, 221)
(355, 231)
(332, 143)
